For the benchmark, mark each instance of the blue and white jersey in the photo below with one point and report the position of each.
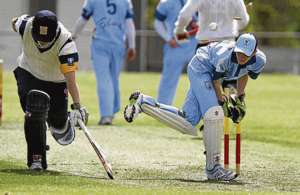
(220, 61)
(109, 17)
(167, 11)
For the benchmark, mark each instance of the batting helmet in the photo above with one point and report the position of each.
(44, 26)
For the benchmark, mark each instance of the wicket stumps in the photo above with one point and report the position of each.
(227, 137)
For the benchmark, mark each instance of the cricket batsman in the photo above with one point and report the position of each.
(206, 99)
(45, 75)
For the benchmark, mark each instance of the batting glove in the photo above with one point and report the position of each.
(79, 112)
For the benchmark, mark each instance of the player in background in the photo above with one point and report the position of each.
(206, 99)
(175, 54)
(218, 20)
(45, 74)
(114, 23)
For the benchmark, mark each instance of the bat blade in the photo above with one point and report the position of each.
(99, 151)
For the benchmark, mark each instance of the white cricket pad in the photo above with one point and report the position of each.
(213, 127)
(170, 119)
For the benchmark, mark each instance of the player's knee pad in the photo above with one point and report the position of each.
(213, 127)
(37, 106)
(168, 115)
(64, 135)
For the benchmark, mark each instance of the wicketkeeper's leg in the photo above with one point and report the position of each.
(169, 115)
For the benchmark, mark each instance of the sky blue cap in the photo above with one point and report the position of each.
(246, 44)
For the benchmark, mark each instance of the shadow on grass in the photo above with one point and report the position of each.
(11, 168)
(31, 173)
(234, 182)
(197, 138)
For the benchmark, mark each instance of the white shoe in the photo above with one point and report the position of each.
(37, 163)
(221, 174)
(134, 108)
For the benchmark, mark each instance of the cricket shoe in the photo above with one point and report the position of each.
(107, 120)
(134, 108)
(220, 174)
(36, 164)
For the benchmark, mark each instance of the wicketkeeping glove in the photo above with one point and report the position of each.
(226, 105)
(239, 111)
(234, 107)
(79, 112)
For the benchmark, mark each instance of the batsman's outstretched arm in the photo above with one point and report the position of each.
(13, 24)
(79, 111)
(16, 23)
(72, 86)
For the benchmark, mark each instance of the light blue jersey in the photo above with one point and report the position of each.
(109, 17)
(220, 61)
(108, 49)
(174, 59)
(215, 61)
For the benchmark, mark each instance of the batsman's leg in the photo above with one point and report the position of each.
(61, 123)
(168, 115)
(66, 134)
(37, 107)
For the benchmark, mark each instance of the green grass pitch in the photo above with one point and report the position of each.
(149, 158)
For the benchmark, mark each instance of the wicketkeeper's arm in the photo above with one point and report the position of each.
(219, 91)
(241, 85)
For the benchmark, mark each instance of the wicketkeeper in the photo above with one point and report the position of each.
(45, 74)
(205, 98)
